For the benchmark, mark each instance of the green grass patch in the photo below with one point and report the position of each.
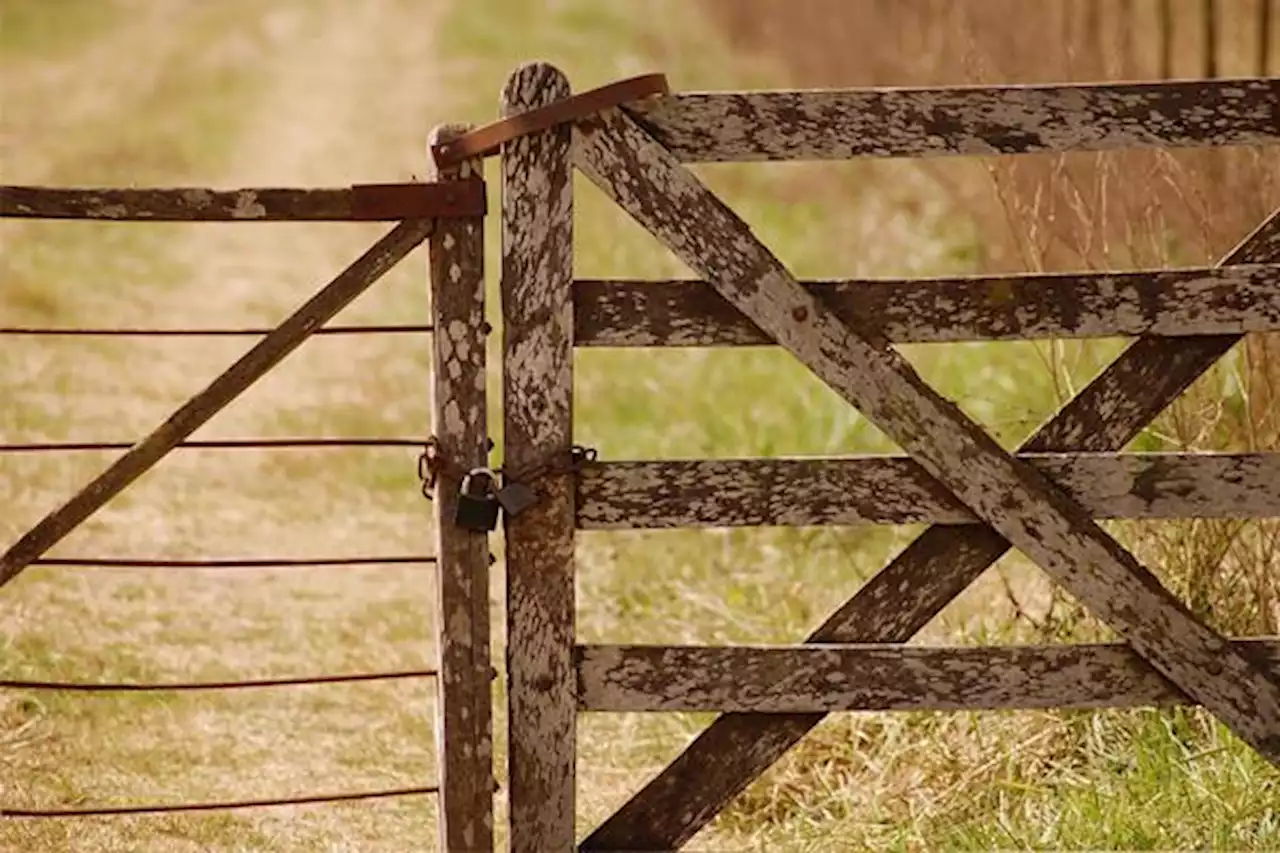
(46, 29)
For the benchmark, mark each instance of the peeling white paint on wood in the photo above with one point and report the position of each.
(822, 679)
(829, 124)
(896, 490)
(1213, 301)
(1012, 496)
(464, 718)
(910, 591)
(269, 204)
(537, 277)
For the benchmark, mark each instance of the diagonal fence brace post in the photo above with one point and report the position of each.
(1029, 510)
(229, 385)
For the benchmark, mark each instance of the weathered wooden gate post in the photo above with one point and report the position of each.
(537, 277)
(464, 718)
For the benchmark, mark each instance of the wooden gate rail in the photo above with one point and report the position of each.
(1229, 300)
(884, 489)
(869, 677)
(963, 120)
(956, 474)
(359, 203)
(1012, 497)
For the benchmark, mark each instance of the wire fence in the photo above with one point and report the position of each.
(307, 442)
(176, 686)
(232, 563)
(153, 332)
(102, 811)
(214, 444)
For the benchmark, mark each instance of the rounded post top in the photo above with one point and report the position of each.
(441, 136)
(534, 84)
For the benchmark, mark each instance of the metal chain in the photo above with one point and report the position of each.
(432, 463)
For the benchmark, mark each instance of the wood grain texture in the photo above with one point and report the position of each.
(822, 679)
(896, 490)
(464, 712)
(1013, 497)
(231, 383)
(828, 124)
(537, 306)
(1211, 301)
(367, 203)
(910, 591)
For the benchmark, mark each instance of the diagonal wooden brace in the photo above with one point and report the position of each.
(915, 587)
(1017, 501)
(226, 387)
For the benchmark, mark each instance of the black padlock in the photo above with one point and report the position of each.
(478, 506)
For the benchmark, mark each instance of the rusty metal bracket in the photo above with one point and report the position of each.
(486, 140)
(446, 199)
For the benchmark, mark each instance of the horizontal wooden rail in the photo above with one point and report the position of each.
(825, 678)
(1204, 301)
(360, 203)
(968, 120)
(896, 490)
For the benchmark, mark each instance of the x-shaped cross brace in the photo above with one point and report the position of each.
(1022, 507)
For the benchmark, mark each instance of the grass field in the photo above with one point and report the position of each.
(323, 92)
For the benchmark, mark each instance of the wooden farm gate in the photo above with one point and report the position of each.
(446, 214)
(982, 500)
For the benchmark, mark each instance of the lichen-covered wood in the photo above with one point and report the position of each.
(821, 679)
(1011, 496)
(365, 203)
(1213, 301)
(464, 714)
(971, 120)
(228, 385)
(896, 490)
(537, 306)
(908, 593)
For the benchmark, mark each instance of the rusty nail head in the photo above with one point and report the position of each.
(800, 314)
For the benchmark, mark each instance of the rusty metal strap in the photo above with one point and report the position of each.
(487, 140)
(418, 201)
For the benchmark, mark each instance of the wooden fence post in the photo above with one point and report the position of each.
(537, 277)
(464, 734)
